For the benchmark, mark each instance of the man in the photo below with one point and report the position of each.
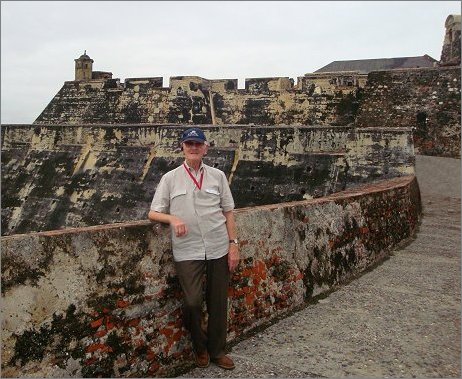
(196, 201)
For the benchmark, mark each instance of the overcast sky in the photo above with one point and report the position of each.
(41, 39)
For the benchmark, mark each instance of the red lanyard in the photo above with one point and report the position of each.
(198, 185)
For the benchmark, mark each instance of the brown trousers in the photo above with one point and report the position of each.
(190, 275)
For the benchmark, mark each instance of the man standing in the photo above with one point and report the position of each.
(196, 201)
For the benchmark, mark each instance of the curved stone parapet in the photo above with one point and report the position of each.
(105, 301)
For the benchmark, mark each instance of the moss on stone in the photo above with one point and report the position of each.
(54, 338)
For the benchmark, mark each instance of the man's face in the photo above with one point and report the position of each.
(194, 150)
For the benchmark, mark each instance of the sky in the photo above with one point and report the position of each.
(213, 40)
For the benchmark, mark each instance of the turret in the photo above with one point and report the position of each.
(83, 67)
(450, 55)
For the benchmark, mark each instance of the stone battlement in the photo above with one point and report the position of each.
(324, 99)
(321, 98)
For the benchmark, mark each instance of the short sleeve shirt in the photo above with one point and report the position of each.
(201, 210)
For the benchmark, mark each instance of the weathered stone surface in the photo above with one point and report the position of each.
(195, 100)
(450, 55)
(425, 99)
(400, 320)
(346, 82)
(104, 301)
(56, 176)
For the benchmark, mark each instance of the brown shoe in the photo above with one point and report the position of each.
(224, 362)
(202, 359)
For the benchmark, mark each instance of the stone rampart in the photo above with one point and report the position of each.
(104, 300)
(332, 82)
(427, 99)
(450, 55)
(56, 176)
(191, 99)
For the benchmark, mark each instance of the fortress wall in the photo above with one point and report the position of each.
(450, 55)
(332, 82)
(105, 301)
(56, 176)
(427, 99)
(191, 99)
(286, 107)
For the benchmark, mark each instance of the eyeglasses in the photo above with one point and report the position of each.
(193, 143)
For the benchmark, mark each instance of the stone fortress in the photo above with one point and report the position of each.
(107, 143)
(416, 92)
(322, 172)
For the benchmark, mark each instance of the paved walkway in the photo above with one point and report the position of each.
(400, 320)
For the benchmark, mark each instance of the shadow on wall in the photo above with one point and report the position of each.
(105, 301)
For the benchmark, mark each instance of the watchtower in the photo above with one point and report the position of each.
(450, 54)
(83, 67)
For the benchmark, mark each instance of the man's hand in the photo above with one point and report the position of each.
(233, 256)
(178, 226)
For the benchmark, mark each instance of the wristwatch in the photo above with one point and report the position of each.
(234, 241)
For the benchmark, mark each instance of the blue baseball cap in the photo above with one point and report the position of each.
(193, 134)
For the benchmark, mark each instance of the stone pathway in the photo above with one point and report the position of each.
(400, 320)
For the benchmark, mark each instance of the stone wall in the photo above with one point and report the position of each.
(426, 99)
(450, 54)
(195, 100)
(55, 176)
(105, 301)
(332, 82)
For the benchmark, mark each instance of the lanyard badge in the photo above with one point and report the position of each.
(198, 185)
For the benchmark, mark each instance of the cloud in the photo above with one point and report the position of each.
(40, 40)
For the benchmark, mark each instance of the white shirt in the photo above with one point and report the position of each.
(201, 210)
